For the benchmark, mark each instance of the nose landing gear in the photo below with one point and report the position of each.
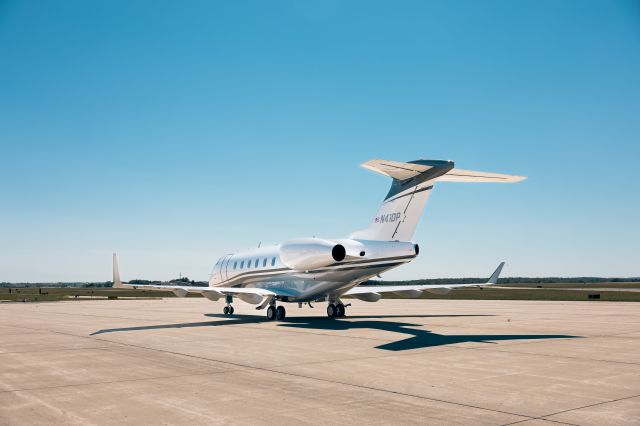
(228, 309)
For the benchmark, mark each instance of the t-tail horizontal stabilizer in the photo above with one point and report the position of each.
(411, 185)
(460, 175)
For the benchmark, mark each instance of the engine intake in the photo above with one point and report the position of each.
(338, 253)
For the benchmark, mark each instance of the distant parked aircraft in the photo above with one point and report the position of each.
(325, 270)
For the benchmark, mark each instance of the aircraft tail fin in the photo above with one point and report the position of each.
(412, 183)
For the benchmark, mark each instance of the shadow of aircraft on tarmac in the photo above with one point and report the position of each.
(416, 337)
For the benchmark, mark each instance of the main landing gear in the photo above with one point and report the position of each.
(336, 310)
(278, 313)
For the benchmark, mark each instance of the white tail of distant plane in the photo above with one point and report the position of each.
(400, 212)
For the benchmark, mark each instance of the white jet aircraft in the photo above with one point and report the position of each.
(309, 270)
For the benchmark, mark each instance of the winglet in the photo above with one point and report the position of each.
(116, 274)
(496, 274)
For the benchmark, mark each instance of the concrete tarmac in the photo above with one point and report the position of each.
(179, 361)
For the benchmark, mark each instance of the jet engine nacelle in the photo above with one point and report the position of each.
(304, 254)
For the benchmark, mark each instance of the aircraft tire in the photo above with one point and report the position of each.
(271, 313)
(230, 310)
(340, 310)
(281, 313)
(226, 310)
(331, 310)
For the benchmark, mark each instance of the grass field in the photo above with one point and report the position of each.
(50, 294)
(554, 291)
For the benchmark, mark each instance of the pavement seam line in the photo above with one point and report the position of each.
(538, 418)
(571, 409)
(270, 370)
(53, 350)
(553, 356)
(106, 382)
(303, 376)
(588, 406)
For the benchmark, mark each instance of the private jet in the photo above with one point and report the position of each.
(310, 270)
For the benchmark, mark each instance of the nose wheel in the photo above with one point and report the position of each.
(228, 309)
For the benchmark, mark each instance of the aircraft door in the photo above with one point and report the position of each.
(223, 267)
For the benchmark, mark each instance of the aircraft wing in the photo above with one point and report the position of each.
(247, 294)
(372, 293)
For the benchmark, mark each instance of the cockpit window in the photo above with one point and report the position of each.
(235, 264)
(242, 264)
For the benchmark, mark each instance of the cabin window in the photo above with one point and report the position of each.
(256, 264)
(273, 261)
(242, 264)
(235, 264)
(264, 262)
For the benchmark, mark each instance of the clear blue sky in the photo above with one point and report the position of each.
(175, 132)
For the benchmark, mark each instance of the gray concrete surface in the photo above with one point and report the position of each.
(177, 361)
